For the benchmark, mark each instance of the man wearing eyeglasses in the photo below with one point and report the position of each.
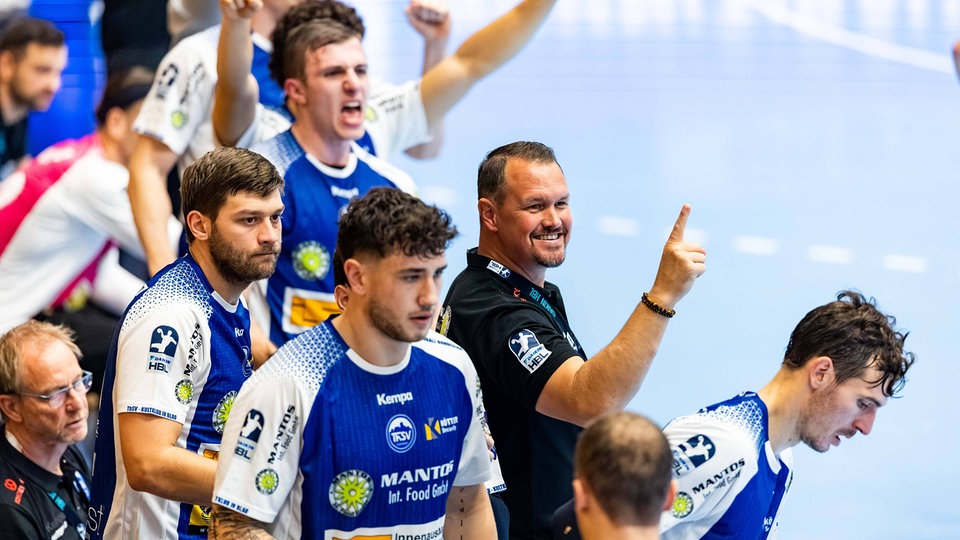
(43, 400)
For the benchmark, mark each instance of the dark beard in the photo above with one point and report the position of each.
(234, 265)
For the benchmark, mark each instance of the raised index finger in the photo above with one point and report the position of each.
(676, 234)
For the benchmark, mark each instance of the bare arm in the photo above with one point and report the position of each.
(469, 515)
(579, 391)
(482, 53)
(431, 19)
(237, 92)
(229, 525)
(156, 465)
(150, 164)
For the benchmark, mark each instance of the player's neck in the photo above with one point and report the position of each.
(227, 289)
(784, 404)
(366, 340)
(11, 111)
(331, 151)
(603, 529)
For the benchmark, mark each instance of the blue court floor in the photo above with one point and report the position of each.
(817, 141)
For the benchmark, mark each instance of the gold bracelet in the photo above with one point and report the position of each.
(657, 308)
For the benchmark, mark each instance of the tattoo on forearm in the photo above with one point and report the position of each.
(225, 524)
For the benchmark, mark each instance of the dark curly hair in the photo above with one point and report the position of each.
(856, 336)
(280, 61)
(387, 221)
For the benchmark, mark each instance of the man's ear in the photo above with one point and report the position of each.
(488, 214)
(820, 372)
(295, 90)
(115, 124)
(671, 495)
(8, 65)
(581, 496)
(356, 276)
(199, 224)
(10, 405)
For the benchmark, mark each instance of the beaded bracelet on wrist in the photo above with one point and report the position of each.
(657, 308)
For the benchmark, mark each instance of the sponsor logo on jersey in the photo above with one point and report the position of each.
(163, 346)
(222, 411)
(400, 433)
(394, 399)
(167, 78)
(311, 260)
(682, 505)
(285, 434)
(370, 115)
(249, 434)
(443, 324)
(528, 350)
(351, 193)
(412, 476)
(436, 427)
(500, 269)
(571, 340)
(184, 391)
(196, 344)
(199, 519)
(350, 491)
(719, 480)
(247, 362)
(12, 485)
(178, 119)
(267, 481)
(691, 454)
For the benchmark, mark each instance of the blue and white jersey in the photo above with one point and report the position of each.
(323, 444)
(730, 481)
(181, 352)
(300, 292)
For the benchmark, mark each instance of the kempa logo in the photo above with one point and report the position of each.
(394, 399)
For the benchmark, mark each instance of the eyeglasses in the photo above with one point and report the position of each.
(58, 398)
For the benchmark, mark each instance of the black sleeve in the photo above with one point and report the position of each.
(524, 349)
(17, 523)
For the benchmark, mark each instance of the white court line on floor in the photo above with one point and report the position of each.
(941, 63)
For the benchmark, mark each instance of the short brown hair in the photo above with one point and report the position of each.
(14, 343)
(26, 30)
(855, 335)
(221, 173)
(626, 463)
(491, 175)
(386, 221)
(337, 23)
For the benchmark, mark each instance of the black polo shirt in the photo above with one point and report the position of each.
(517, 335)
(30, 496)
(13, 145)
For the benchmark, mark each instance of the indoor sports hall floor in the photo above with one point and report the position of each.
(817, 142)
